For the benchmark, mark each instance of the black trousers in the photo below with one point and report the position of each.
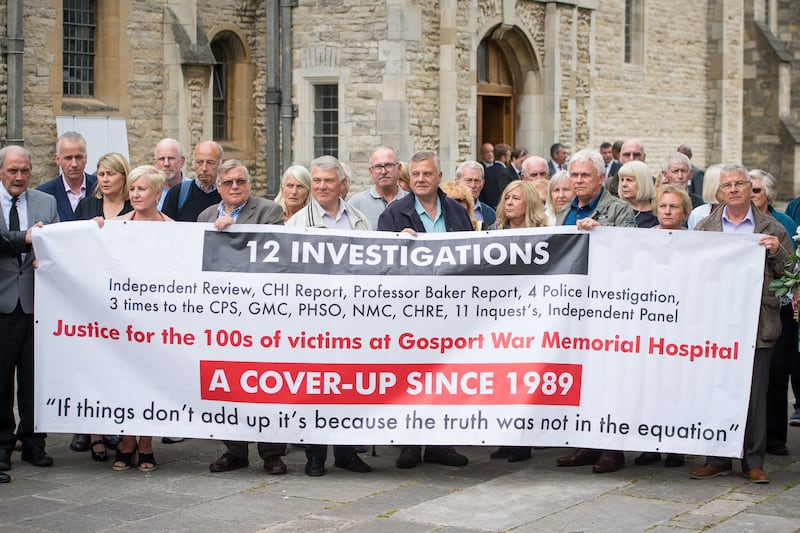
(321, 450)
(16, 358)
(784, 359)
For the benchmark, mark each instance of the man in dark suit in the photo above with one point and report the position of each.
(612, 165)
(238, 207)
(695, 184)
(558, 158)
(70, 187)
(498, 175)
(73, 183)
(21, 209)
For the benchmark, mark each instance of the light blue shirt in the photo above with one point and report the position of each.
(233, 214)
(436, 225)
(342, 221)
(748, 225)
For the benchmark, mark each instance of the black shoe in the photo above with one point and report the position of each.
(227, 462)
(111, 441)
(80, 443)
(503, 452)
(674, 460)
(777, 449)
(444, 455)
(519, 454)
(5, 460)
(99, 451)
(315, 467)
(409, 457)
(647, 458)
(36, 456)
(4, 478)
(172, 440)
(353, 463)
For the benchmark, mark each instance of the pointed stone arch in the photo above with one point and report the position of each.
(232, 103)
(510, 89)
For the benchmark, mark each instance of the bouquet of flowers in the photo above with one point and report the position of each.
(789, 282)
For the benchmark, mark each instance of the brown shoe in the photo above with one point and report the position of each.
(707, 471)
(756, 475)
(581, 457)
(274, 465)
(610, 461)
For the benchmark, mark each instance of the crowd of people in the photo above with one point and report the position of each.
(507, 189)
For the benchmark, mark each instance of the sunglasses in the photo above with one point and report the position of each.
(757, 190)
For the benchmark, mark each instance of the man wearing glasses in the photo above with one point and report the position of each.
(470, 173)
(238, 207)
(739, 215)
(632, 150)
(186, 201)
(384, 169)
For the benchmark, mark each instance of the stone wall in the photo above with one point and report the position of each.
(688, 87)
(663, 101)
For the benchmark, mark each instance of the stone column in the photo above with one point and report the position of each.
(448, 91)
(726, 79)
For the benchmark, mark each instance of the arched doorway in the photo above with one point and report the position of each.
(495, 95)
(510, 95)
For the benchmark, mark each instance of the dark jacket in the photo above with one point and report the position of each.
(91, 207)
(401, 214)
(55, 188)
(769, 318)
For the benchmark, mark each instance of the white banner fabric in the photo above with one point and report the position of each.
(623, 339)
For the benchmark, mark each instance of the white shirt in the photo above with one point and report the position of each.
(22, 207)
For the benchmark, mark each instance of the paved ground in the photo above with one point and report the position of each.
(182, 495)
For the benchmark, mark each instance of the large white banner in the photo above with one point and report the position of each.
(617, 338)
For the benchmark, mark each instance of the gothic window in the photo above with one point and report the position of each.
(634, 32)
(220, 93)
(326, 120)
(79, 39)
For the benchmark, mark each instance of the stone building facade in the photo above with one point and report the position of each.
(446, 75)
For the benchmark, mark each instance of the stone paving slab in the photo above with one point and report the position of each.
(749, 523)
(78, 494)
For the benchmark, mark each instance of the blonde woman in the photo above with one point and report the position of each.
(520, 207)
(461, 194)
(636, 188)
(110, 198)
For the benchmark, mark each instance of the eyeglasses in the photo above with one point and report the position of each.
(757, 190)
(388, 167)
(729, 185)
(230, 183)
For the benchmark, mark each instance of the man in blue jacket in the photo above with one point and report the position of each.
(426, 210)
(73, 183)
